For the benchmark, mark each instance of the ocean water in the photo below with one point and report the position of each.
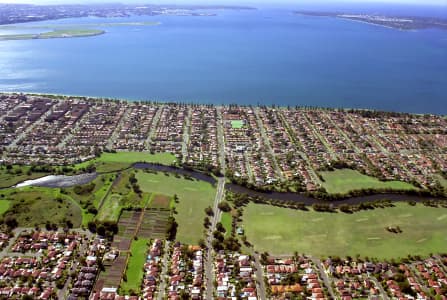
(265, 56)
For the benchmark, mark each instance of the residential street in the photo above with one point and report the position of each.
(164, 273)
(260, 284)
(324, 277)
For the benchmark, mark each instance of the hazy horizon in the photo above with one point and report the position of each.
(233, 2)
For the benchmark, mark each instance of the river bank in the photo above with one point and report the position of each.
(59, 181)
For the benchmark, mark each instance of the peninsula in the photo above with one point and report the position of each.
(56, 34)
(396, 22)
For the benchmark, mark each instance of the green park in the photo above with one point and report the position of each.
(283, 231)
(345, 180)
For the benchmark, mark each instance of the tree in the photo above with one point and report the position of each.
(209, 211)
(201, 243)
(217, 245)
(220, 227)
(11, 222)
(224, 206)
(172, 228)
(218, 236)
(206, 222)
(101, 230)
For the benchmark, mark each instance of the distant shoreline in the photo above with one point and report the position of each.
(57, 34)
(161, 102)
(409, 23)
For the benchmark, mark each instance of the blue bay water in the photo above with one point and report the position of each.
(245, 57)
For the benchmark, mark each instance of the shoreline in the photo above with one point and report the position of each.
(161, 102)
(50, 35)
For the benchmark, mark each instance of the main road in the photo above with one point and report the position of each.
(209, 268)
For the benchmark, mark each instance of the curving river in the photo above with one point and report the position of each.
(58, 181)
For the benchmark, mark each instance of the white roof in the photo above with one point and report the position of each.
(109, 290)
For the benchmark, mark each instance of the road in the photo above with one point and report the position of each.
(299, 148)
(5, 252)
(186, 134)
(164, 273)
(115, 134)
(73, 129)
(221, 139)
(29, 128)
(379, 286)
(260, 284)
(267, 144)
(322, 139)
(83, 248)
(208, 264)
(324, 277)
(154, 125)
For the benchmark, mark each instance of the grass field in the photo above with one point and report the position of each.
(121, 196)
(109, 162)
(283, 231)
(160, 201)
(237, 124)
(226, 221)
(134, 272)
(111, 209)
(194, 197)
(343, 181)
(33, 205)
(15, 175)
(4, 205)
(102, 185)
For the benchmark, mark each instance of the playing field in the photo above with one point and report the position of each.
(237, 124)
(283, 231)
(343, 181)
(194, 197)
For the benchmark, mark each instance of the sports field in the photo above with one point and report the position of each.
(343, 181)
(237, 124)
(194, 197)
(283, 231)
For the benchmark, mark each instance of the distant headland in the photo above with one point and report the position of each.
(24, 13)
(395, 22)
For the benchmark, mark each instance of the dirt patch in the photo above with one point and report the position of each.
(160, 201)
